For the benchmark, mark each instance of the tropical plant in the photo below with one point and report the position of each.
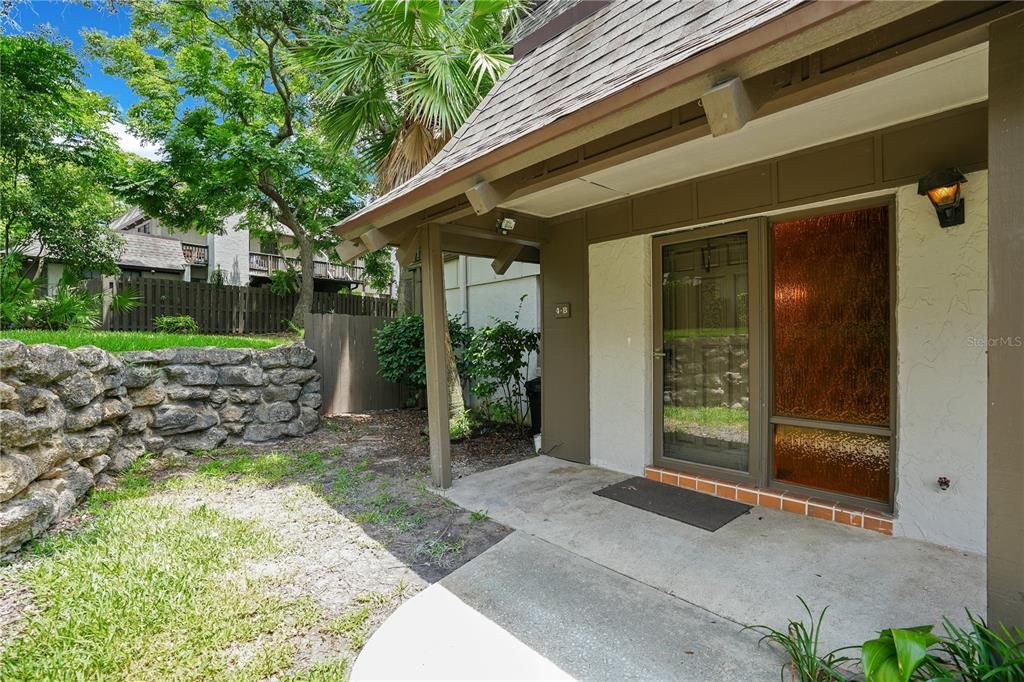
(16, 289)
(397, 79)
(901, 655)
(498, 358)
(176, 324)
(216, 91)
(285, 282)
(978, 654)
(801, 642)
(217, 277)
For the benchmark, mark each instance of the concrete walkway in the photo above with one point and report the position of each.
(594, 589)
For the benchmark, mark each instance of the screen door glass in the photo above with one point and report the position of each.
(705, 341)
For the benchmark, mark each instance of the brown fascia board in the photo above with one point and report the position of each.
(460, 178)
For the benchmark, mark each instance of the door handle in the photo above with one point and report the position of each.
(658, 353)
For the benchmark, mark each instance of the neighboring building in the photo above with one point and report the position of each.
(754, 212)
(240, 258)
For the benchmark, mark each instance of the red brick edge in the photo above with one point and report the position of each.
(783, 500)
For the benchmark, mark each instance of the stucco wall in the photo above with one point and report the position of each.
(621, 361)
(230, 252)
(941, 321)
(473, 291)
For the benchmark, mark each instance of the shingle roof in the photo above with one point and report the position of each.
(148, 252)
(141, 252)
(607, 52)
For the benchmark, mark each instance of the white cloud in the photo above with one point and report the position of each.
(129, 142)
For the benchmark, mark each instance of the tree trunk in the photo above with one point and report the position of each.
(456, 404)
(305, 302)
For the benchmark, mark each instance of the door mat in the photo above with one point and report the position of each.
(688, 506)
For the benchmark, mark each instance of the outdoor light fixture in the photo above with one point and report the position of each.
(943, 190)
(506, 225)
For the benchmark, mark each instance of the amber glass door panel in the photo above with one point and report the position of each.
(704, 356)
(831, 362)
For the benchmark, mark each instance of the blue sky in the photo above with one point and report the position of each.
(67, 20)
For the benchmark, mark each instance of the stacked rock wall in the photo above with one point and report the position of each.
(69, 418)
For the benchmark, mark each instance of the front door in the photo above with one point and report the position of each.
(707, 359)
(773, 354)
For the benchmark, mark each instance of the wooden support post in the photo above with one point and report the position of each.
(1005, 322)
(506, 257)
(435, 322)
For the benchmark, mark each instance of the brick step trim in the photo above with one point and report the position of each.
(781, 500)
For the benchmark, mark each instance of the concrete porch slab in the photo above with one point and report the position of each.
(751, 570)
(528, 610)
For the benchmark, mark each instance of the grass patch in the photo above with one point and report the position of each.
(115, 342)
(439, 548)
(271, 467)
(478, 516)
(149, 591)
(355, 625)
(325, 671)
(707, 416)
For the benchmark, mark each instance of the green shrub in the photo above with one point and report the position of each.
(16, 290)
(401, 357)
(176, 324)
(498, 358)
(285, 282)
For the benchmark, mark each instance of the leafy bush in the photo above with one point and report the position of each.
(498, 358)
(285, 282)
(400, 350)
(16, 290)
(176, 324)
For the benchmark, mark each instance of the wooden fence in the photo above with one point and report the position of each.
(221, 309)
(347, 364)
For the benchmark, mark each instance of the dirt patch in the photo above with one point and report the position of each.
(361, 530)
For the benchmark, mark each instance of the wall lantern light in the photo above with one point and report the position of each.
(943, 190)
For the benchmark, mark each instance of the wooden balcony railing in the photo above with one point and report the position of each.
(195, 254)
(263, 264)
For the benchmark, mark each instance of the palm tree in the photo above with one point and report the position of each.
(400, 77)
(398, 80)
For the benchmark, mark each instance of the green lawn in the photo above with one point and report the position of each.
(148, 590)
(116, 342)
(707, 416)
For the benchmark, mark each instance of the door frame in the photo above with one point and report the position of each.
(755, 229)
(759, 243)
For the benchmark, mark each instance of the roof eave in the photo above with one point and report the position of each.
(450, 184)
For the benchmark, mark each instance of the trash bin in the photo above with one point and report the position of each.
(533, 395)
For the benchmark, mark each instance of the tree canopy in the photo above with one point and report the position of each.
(235, 122)
(57, 158)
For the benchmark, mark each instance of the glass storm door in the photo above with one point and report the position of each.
(830, 357)
(704, 369)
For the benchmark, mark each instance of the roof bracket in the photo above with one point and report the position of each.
(728, 106)
(506, 257)
(408, 247)
(374, 239)
(483, 197)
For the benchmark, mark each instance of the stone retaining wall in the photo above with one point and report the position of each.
(69, 418)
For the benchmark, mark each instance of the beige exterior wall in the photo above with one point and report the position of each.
(621, 359)
(941, 326)
(941, 371)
